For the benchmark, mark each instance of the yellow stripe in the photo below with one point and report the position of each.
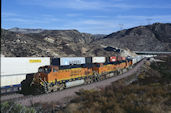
(60, 80)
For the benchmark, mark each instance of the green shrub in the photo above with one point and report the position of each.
(10, 107)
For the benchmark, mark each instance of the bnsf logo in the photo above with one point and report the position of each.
(35, 61)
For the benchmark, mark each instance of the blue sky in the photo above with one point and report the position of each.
(91, 16)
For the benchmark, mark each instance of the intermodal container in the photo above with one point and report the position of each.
(15, 69)
(63, 61)
(119, 58)
(134, 60)
(88, 60)
(113, 59)
(22, 65)
(98, 59)
(107, 59)
(123, 58)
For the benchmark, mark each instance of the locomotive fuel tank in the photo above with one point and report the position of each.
(74, 83)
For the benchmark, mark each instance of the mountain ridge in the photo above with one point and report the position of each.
(155, 37)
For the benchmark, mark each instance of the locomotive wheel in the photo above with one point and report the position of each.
(61, 87)
(102, 77)
(38, 89)
(89, 80)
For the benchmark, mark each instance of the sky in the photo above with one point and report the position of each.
(90, 16)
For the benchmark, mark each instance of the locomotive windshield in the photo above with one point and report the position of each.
(44, 69)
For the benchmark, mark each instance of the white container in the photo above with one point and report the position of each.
(12, 80)
(72, 60)
(14, 69)
(134, 60)
(22, 65)
(74, 83)
(98, 60)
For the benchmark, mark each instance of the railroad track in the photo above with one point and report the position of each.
(12, 96)
(66, 95)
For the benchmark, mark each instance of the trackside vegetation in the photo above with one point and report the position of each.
(149, 92)
(10, 107)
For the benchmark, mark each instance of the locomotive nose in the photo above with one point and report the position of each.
(36, 77)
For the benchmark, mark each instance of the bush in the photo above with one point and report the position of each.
(10, 107)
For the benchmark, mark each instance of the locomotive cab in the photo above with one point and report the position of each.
(44, 72)
(41, 79)
(48, 69)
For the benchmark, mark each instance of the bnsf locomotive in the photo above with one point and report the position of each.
(65, 72)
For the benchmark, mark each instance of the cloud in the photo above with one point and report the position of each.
(91, 5)
(8, 14)
(93, 25)
(129, 21)
(137, 6)
(86, 16)
(146, 18)
(27, 20)
(72, 4)
(74, 14)
(108, 23)
(100, 16)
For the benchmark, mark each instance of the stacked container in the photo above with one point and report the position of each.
(64, 61)
(119, 58)
(113, 59)
(15, 69)
(98, 59)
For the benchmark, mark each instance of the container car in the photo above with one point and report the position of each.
(15, 69)
(98, 59)
(113, 59)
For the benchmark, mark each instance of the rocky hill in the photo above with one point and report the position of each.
(50, 43)
(37, 42)
(156, 37)
(25, 31)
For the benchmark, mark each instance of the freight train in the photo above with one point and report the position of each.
(67, 72)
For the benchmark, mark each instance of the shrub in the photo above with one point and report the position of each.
(10, 107)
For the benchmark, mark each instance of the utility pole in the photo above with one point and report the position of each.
(121, 26)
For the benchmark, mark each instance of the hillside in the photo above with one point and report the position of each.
(155, 37)
(53, 43)
(149, 93)
(56, 43)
